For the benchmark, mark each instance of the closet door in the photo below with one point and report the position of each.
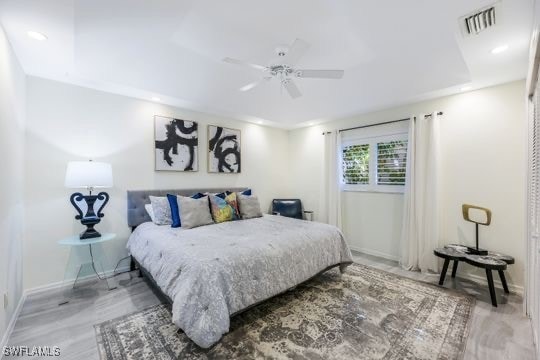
(533, 223)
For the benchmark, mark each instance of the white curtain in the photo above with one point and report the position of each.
(331, 184)
(421, 225)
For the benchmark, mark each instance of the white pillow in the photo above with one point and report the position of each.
(150, 211)
(162, 210)
(249, 206)
(194, 212)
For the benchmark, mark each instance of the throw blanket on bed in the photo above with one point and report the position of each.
(213, 271)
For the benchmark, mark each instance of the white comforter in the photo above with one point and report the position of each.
(214, 271)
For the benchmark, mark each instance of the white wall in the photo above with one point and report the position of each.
(483, 137)
(12, 118)
(66, 123)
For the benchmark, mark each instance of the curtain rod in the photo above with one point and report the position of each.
(377, 124)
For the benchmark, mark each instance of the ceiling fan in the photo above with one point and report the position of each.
(284, 69)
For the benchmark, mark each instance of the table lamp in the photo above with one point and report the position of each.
(465, 208)
(89, 175)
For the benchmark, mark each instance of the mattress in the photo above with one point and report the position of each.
(213, 271)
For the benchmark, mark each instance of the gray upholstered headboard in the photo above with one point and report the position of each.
(136, 200)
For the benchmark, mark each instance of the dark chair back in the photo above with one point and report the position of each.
(288, 207)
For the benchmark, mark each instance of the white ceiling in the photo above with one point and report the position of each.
(392, 51)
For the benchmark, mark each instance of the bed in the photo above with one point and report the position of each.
(213, 272)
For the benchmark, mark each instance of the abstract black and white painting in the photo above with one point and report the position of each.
(176, 144)
(224, 151)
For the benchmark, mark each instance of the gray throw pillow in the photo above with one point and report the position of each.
(249, 206)
(194, 212)
(161, 209)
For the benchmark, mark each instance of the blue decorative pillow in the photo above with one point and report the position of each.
(245, 192)
(175, 210)
(197, 196)
(221, 195)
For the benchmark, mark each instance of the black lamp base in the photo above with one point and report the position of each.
(92, 217)
(89, 233)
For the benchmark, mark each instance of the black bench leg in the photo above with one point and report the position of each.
(491, 287)
(444, 270)
(503, 281)
(454, 269)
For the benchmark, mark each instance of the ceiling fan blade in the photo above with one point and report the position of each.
(250, 86)
(320, 74)
(292, 89)
(244, 63)
(296, 51)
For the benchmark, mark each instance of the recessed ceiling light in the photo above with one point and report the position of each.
(499, 49)
(248, 87)
(155, 98)
(259, 122)
(36, 35)
(465, 88)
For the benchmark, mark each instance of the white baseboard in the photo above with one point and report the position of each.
(12, 323)
(374, 253)
(59, 284)
(516, 289)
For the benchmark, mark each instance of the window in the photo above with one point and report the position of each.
(377, 163)
(356, 164)
(391, 162)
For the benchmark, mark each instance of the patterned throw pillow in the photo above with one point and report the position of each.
(232, 200)
(162, 210)
(221, 210)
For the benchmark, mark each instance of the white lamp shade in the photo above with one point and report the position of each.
(88, 174)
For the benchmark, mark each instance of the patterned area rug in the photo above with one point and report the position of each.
(362, 314)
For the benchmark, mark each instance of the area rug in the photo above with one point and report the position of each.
(362, 314)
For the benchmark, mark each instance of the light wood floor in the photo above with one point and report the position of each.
(496, 333)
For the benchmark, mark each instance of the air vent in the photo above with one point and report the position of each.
(479, 21)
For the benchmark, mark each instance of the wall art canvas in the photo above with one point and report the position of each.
(176, 144)
(224, 150)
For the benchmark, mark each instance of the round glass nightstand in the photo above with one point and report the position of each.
(86, 258)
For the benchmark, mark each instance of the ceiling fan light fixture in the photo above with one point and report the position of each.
(284, 69)
(499, 49)
(282, 50)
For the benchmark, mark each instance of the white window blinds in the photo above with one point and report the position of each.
(391, 162)
(355, 163)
